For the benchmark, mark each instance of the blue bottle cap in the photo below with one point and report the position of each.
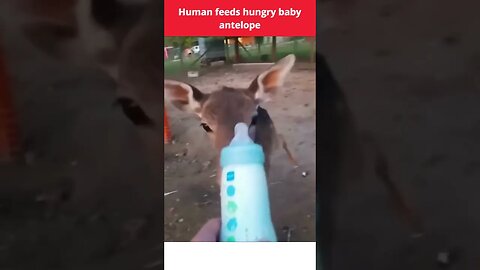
(242, 150)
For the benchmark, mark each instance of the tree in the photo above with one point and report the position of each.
(311, 40)
(180, 42)
(237, 50)
(295, 43)
(274, 49)
(259, 42)
(227, 49)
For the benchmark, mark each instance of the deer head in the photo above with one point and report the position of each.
(221, 110)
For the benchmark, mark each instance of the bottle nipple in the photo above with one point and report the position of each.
(241, 135)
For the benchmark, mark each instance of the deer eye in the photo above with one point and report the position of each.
(206, 127)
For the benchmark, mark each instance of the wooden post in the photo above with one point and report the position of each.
(237, 50)
(227, 50)
(9, 135)
(274, 49)
(312, 48)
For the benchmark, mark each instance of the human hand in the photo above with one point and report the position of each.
(209, 232)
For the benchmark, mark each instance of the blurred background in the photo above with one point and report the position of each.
(78, 187)
(75, 196)
(410, 71)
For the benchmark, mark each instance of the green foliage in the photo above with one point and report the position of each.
(297, 38)
(181, 42)
(259, 40)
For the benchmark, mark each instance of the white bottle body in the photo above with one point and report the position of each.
(245, 206)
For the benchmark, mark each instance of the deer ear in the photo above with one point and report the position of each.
(184, 96)
(268, 82)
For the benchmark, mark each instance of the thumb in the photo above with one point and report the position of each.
(209, 232)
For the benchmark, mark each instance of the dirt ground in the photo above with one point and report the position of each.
(190, 171)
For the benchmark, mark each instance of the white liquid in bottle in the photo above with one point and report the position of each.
(245, 203)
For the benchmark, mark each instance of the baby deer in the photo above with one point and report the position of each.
(221, 110)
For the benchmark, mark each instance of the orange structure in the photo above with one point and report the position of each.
(9, 137)
(167, 136)
(244, 40)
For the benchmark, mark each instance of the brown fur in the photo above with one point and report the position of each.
(223, 109)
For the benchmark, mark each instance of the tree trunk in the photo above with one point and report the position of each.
(274, 49)
(312, 49)
(237, 50)
(227, 50)
(181, 57)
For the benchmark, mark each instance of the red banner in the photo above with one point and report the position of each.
(240, 18)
